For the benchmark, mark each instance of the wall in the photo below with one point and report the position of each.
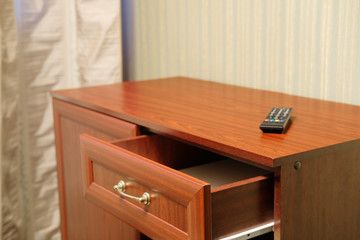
(303, 47)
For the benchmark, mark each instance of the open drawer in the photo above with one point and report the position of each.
(161, 199)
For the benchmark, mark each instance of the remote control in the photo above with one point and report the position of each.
(277, 121)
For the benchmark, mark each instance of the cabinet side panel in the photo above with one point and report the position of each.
(321, 199)
(81, 219)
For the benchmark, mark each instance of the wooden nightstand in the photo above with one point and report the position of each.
(196, 149)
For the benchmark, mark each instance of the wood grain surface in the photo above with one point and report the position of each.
(82, 219)
(224, 118)
(179, 206)
(321, 199)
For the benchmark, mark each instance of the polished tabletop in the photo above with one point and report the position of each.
(225, 118)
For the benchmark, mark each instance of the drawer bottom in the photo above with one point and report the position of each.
(263, 232)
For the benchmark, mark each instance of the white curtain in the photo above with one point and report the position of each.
(45, 45)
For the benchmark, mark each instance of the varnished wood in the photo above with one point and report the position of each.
(106, 124)
(81, 219)
(107, 178)
(60, 173)
(224, 118)
(167, 151)
(235, 207)
(320, 200)
(242, 205)
(223, 172)
(189, 192)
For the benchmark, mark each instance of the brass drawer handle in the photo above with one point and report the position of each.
(120, 188)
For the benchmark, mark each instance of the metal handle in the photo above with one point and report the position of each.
(120, 188)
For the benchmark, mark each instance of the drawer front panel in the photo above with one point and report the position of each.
(179, 206)
(160, 206)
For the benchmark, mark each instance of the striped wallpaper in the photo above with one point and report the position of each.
(303, 47)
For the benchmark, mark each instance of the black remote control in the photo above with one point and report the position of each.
(277, 121)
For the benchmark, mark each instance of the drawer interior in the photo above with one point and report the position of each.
(223, 172)
(209, 167)
(168, 152)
